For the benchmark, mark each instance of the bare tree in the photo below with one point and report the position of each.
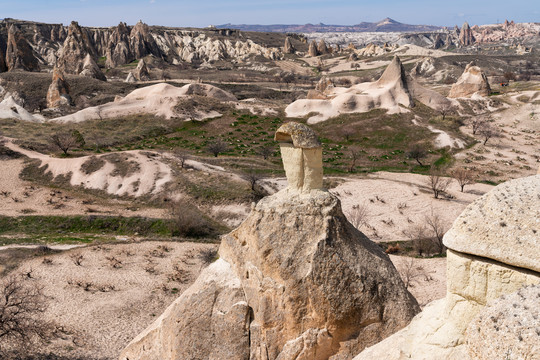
(437, 228)
(182, 156)
(410, 271)
(358, 215)
(355, 155)
(437, 182)
(488, 131)
(419, 238)
(347, 132)
(463, 177)
(252, 178)
(265, 151)
(21, 322)
(445, 110)
(64, 141)
(477, 123)
(217, 147)
(418, 152)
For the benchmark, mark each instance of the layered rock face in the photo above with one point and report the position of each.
(472, 81)
(295, 281)
(19, 53)
(58, 93)
(485, 261)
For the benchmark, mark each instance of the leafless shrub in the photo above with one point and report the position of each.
(265, 151)
(47, 261)
(355, 155)
(411, 271)
(64, 141)
(437, 182)
(182, 156)
(150, 267)
(77, 259)
(477, 123)
(188, 221)
(418, 152)
(437, 228)
(5, 193)
(217, 147)
(208, 256)
(488, 131)
(392, 249)
(114, 262)
(358, 215)
(180, 275)
(463, 177)
(21, 322)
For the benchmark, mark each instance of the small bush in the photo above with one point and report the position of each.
(187, 220)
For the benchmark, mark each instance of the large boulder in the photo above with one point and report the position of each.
(295, 281)
(472, 81)
(19, 53)
(477, 273)
(58, 93)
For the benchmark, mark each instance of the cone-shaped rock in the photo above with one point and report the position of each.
(288, 48)
(91, 69)
(466, 36)
(58, 93)
(75, 50)
(141, 72)
(473, 80)
(394, 76)
(130, 78)
(322, 48)
(295, 281)
(312, 51)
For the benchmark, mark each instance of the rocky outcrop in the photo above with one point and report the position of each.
(19, 53)
(312, 51)
(466, 36)
(507, 328)
(75, 50)
(288, 47)
(141, 72)
(118, 51)
(141, 42)
(295, 281)
(474, 280)
(322, 49)
(472, 81)
(391, 92)
(91, 69)
(58, 93)
(130, 78)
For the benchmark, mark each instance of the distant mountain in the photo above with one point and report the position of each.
(385, 25)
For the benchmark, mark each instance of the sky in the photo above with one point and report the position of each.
(182, 13)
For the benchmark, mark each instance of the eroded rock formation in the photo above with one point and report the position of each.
(466, 36)
(58, 93)
(141, 72)
(75, 50)
(295, 281)
(312, 51)
(91, 69)
(19, 53)
(288, 47)
(492, 251)
(472, 81)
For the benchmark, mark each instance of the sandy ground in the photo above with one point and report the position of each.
(396, 202)
(103, 307)
(516, 153)
(24, 198)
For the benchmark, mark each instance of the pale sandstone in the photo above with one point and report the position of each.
(508, 328)
(472, 81)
